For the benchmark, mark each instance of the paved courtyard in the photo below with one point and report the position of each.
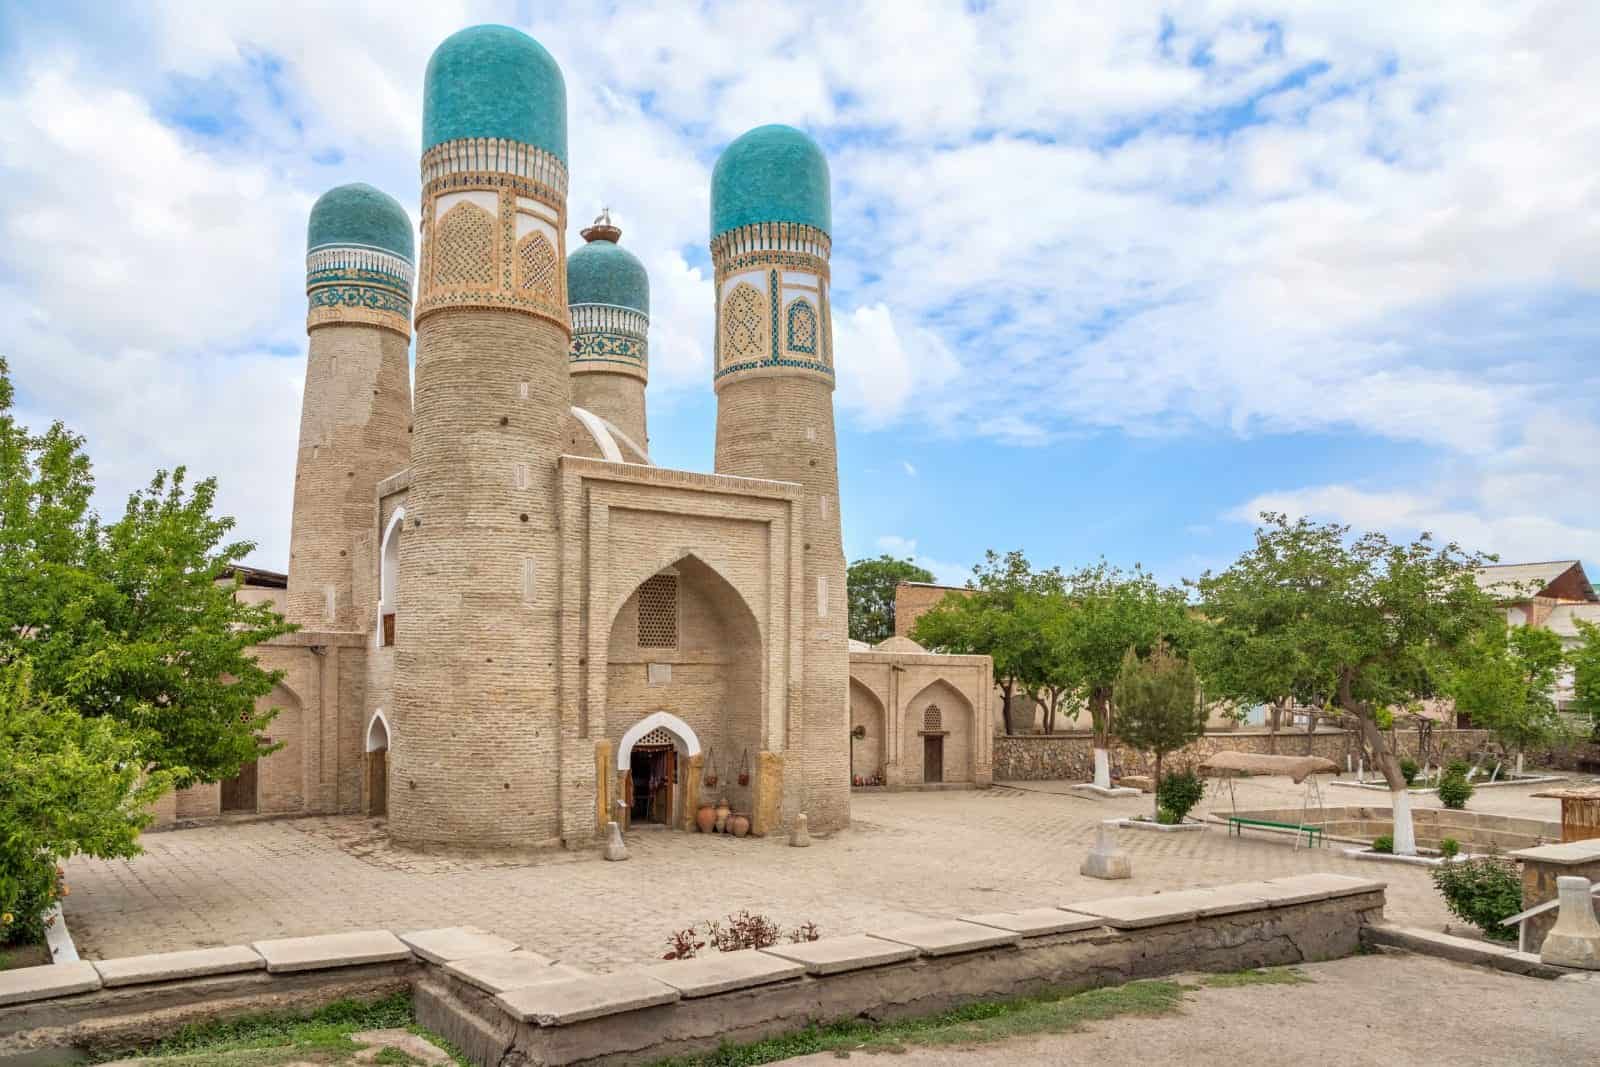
(922, 854)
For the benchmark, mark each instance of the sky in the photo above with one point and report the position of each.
(1109, 279)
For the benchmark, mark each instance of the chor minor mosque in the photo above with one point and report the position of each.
(513, 626)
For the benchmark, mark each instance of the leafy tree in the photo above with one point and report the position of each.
(1506, 680)
(1370, 623)
(1584, 659)
(1158, 704)
(871, 584)
(1106, 612)
(137, 620)
(992, 617)
(68, 785)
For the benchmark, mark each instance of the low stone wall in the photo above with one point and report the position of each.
(502, 1005)
(1475, 831)
(1070, 757)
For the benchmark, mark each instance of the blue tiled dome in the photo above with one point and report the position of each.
(494, 81)
(361, 216)
(771, 174)
(603, 272)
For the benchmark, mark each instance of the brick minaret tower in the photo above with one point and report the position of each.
(610, 299)
(357, 405)
(475, 759)
(770, 222)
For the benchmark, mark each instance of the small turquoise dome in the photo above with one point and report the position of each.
(603, 272)
(358, 214)
(494, 81)
(771, 174)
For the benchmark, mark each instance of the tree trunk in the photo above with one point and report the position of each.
(1274, 721)
(1405, 835)
(1005, 706)
(1155, 783)
(1100, 715)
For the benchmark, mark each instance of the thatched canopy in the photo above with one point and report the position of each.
(1296, 767)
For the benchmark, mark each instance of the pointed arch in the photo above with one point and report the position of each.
(940, 712)
(538, 267)
(464, 247)
(378, 735)
(744, 326)
(657, 720)
(389, 576)
(868, 752)
(802, 327)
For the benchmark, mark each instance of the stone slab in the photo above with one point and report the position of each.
(166, 966)
(836, 955)
(1129, 913)
(723, 972)
(455, 943)
(589, 997)
(1089, 789)
(1460, 949)
(497, 972)
(1225, 900)
(946, 937)
(1035, 922)
(1571, 853)
(327, 951)
(1328, 886)
(25, 984)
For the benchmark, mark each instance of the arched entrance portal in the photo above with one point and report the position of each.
(653, 761)
(378, 765)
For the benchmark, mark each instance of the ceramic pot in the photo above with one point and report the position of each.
(739, 825)
(721, 822)
(705, 818)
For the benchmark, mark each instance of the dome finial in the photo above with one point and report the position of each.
(602, 228)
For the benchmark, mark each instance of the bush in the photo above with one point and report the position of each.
(1383, 843)
(1482, 891)
(1455, 791)
(1449, 848)
(1457, 767)
(1177, 794)
(1409, 769)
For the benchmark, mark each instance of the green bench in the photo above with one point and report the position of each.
(1236, 825)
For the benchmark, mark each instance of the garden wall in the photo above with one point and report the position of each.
(1070, 757)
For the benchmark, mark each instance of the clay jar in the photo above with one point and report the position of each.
(738, 825)
(705, 818)
(720, 823)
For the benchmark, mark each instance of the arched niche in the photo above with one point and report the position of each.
(389, 578)
(938, 731)
(868, 740)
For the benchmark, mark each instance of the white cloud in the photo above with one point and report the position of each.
(944, 572)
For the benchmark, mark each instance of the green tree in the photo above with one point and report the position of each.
(137, 620)
(1505, 680)
(1584, 658)
(68, 785)
(989, 618)
(1106, 611)
(1370, 623)
(870, 584)
(1158, 704)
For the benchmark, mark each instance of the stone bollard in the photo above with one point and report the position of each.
(1574, 941)
(1106, 860)
(800, 837)
(615, 849)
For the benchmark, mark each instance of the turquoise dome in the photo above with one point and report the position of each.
(358, 214)
(771, 174)
(494, 81)
(603, 272)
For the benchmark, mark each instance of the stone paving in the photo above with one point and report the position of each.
(905, 856)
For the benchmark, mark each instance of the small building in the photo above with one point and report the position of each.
(919, 719)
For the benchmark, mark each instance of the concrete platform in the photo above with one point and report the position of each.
(590, 997)
(163, 966)
(1097, 792)
(836, 955)
(331, 950)
(26, 984)
(1035, 922)
(455, 943)
(497, 972)
(946, 937)
(723, 972)
(1131, 913)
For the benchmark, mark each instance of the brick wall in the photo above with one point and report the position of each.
(911, 601)
(617, 398)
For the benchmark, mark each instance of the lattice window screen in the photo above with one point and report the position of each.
(658, 736)
(464, 247)
(658, 612)
(536, 261)
(932, 718)
(744, 325)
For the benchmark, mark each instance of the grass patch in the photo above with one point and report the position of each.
(970, 1025)
(266, 1040)
(1268, 976)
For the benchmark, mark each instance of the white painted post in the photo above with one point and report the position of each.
(1405, 835)
(1102, 768)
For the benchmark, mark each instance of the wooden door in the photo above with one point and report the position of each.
(239, 792)
(378, 782)
(672, 786)
(933, 759)
(627, 800)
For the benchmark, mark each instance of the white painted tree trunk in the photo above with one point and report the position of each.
(1102, 768)
(1405, 834)
(1519, 764)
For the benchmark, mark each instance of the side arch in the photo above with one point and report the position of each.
(658, 720)
(955, 721)
(389, 571)
(378, 734)
(870, 751)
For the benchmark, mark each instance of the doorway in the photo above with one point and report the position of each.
(933, 759)
(652, 782)
(239, 792)
(378, 782)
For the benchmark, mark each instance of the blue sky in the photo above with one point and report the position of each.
(1109, 279)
